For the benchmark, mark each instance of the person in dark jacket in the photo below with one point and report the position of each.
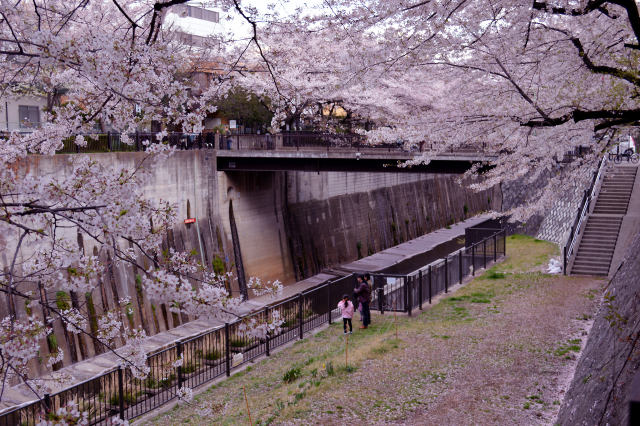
(363, 293)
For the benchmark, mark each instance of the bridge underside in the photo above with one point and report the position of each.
(230, 163)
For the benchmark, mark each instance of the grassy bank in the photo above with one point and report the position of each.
(498, 350)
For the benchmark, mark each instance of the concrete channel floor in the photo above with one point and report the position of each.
(93, 367)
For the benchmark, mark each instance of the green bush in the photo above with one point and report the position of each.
(292, 375)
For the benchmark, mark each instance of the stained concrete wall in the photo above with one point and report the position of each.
(187, 180)
(337, 217)
(601, 387)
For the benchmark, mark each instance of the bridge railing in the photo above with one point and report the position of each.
(137, 141)
(199, 359)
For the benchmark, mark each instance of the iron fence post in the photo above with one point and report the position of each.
(179, 353)
(407, 286)
(47, 403)
(446, 275)
(266, 338)
(108, 141)
(429, 284)
(381, 300)
(301, 331)
(504, 242)
(227, 349)
(420, 288)
(460, 267)
(120, 393)
(473, 260)
(329, 300)
(564, 260)
(484, 253)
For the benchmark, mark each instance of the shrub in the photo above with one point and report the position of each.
(292, 375)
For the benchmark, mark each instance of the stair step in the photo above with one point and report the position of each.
(592, 261)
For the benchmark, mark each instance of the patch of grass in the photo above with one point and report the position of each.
(523, 252)
(572, 345)
(329, 369)
(211, 355)
(441, 336)
(492, 274)
(346, 369)
(161, 383)
(129, 398)
(239, 342)
(292, 375)
(190, 367)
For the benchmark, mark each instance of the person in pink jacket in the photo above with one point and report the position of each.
(346, 309)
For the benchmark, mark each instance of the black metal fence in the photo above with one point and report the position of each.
(217, 352)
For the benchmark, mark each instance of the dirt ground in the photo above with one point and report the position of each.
(499, 350)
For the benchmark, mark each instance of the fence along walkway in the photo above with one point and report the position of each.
(218, 352)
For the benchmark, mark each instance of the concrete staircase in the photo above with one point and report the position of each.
(600, 234)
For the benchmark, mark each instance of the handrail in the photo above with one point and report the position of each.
(583, 211)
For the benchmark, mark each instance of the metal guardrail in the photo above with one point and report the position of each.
(113, 142)
(218, 352)
(582, 213)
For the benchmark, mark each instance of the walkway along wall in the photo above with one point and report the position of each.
(290, 225)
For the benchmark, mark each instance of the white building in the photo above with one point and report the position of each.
(22, 114)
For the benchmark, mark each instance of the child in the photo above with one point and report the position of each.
(346, 309)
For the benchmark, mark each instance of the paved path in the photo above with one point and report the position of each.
(87, 369)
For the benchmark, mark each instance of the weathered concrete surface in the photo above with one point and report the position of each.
(611, 358)
(629, 228)
(325, 231)
(397, 254)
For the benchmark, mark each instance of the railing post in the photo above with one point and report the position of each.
(429, 284)
(329, 307)
(227, 351)
(47, 403)
(504, 242)
(446, 275)
(495, 249)
(407, 286)
(564, 260)
(300, 319)
(473, 260)
(420, 288)
(120, 393)
(484, 252)
(109, 141)
(460, 266)
(179, 353)
(266, 338)
(381, 300)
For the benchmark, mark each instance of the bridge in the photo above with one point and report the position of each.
(354, 160)
(301, 151)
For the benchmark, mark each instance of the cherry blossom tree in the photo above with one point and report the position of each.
(526, 80)
(113, 61)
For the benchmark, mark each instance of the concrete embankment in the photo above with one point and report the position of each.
(288, 225)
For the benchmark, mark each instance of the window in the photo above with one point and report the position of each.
(29, 116)
(195, 12)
